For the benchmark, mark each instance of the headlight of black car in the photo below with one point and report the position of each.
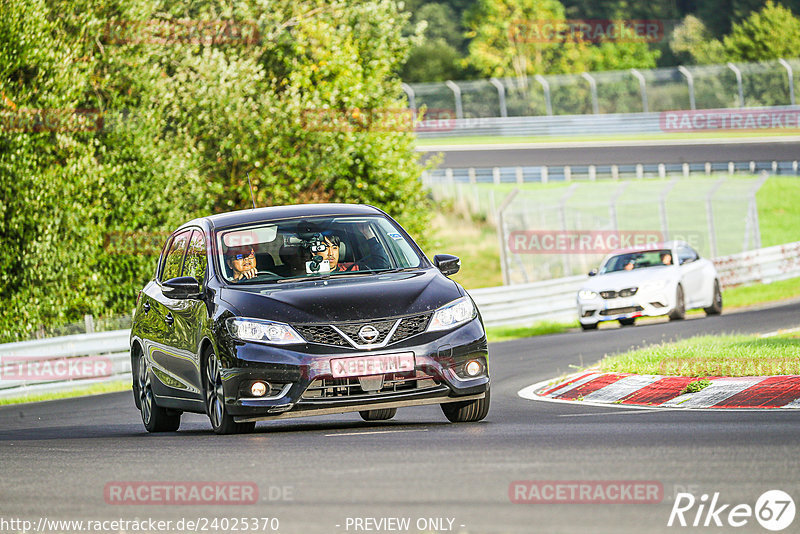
(454, 314)
(263, 331)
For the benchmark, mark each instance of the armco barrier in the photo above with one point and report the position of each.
(111, 346)
(552, 300)
(616, 123)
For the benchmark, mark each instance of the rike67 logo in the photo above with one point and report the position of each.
(774, 510)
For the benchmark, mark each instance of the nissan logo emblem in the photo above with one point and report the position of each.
(368, 333)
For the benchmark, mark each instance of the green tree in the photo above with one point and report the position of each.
(772, 33)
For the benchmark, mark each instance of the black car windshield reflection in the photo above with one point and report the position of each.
(312, 249)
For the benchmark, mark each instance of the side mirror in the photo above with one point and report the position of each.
(447, 263)
(593, 272)
(183, 287)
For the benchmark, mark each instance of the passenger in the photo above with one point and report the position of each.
(242, 261)
(332, 255)
(629, 265)
(666, 258)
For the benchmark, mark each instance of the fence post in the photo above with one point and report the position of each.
(613, 206)
(457, 96)
(412, 101)
(88, 321)
(662, 206)
(690, 83)
(593, 87)
(738, 74)
(501, 96)
(548, 103)
(790, 74)
(712, 236)
(753, 215)
(501, 231)
(642, 87)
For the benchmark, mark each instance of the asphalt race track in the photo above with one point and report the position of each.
(57, 457)
(618, 152)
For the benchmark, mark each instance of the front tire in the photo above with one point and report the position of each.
(154, 417)
(378, 415)
(467, 412)
(627, 322)
(592, 326)
(716, 305)
(221, 421)
(679, 313)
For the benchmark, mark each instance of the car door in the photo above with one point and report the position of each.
(691, 275)
(164, 355)
(189, 315)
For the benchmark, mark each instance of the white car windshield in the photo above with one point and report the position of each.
(300, 249)
(637, 260)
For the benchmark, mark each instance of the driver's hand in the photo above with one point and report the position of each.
(251, 273)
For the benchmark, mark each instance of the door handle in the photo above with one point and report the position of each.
(169, 319)
(146, 307)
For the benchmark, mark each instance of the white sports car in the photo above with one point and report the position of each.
(662, 279)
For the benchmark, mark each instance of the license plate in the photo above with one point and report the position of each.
(372, 365)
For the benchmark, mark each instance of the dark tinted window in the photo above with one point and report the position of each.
(686, 254)
(195, 264)
(174, 258)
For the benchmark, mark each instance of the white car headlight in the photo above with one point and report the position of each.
(451, 315)
(263, 331)
(587, 294)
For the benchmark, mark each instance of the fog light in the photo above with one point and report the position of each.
(258, 389)
(473, 368)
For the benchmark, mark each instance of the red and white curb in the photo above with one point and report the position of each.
(630, 390)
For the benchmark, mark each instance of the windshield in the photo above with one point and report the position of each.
(312, 248)
(637, 260)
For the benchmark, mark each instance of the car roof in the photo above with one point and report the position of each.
(232, 218)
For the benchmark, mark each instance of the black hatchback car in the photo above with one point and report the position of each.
(291, 311)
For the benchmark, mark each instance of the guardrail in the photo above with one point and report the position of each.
(63, 363)
(686, 121)
(31, 367)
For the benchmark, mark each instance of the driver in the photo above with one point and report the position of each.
(242, 261)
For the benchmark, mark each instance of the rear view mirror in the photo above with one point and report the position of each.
(183, 287)
(447, 263)
(593, 272)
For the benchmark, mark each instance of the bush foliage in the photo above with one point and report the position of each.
(183, 101)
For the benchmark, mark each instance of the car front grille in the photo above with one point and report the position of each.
(332, 388)
(627, 292)
(618, 311)
(323, 334)
(327, 334)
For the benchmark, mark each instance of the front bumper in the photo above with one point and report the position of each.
(303, 384)
(645, 303)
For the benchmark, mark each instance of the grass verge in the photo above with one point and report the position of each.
(94, 389)
(496, 334)
(737, 297)
(701, 356)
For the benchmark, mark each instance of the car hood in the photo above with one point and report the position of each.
(635, 278)
(356, 298)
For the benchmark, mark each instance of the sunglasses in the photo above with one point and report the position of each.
(243, 256)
